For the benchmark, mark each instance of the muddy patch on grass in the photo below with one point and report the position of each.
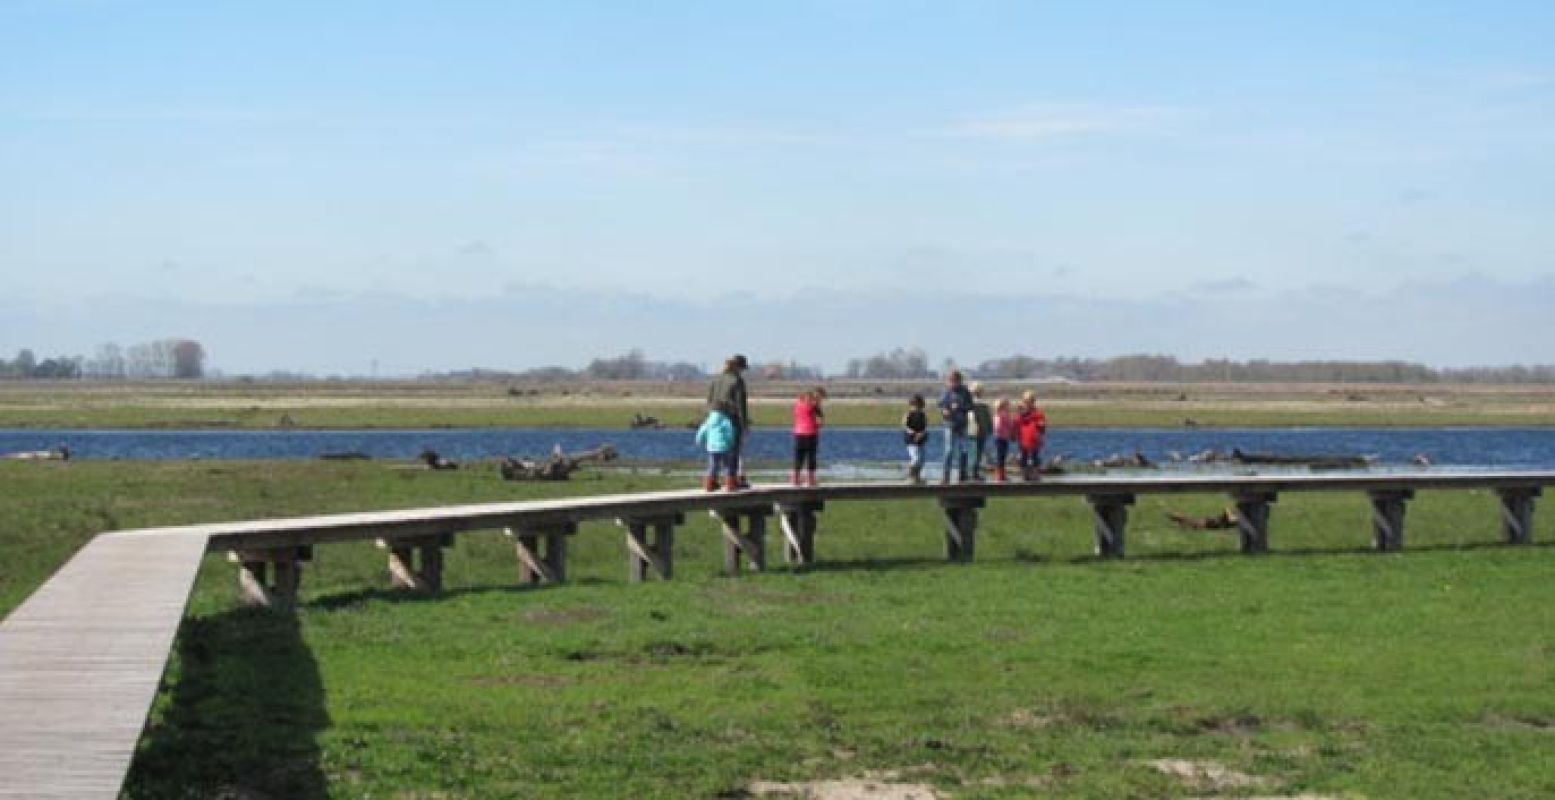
(556, 617)
(1499, 722)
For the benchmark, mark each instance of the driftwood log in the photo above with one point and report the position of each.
(435, 461)
(1225, 520)
(558, 467)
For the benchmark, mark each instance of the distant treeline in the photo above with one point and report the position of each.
(163, 358)
(1146, 368)
(909, 364)
(185, 359)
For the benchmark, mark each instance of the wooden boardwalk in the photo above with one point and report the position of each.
(81, 660)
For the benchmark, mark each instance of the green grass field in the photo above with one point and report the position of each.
(1319, 669)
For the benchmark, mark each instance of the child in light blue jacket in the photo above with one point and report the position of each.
(717, 434)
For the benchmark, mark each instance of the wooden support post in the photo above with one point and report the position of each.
(283, 567)
(644, 554)
(547, 564)
(416, 562)
(1387, 519)
(1252, 520)
(1111, 516)
(798, 522)
(1517, 513)
(961, 526)
(751, 543)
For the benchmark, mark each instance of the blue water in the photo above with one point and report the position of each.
(1528, 448)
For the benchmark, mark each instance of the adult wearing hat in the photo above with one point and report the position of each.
(727, 394)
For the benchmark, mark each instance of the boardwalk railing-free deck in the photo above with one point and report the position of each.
(81, 659)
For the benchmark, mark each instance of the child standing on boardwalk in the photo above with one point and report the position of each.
(1031, 427)
(980, 427)
(915, 431)
(717, 434)
(808, 419)
(1003, 432)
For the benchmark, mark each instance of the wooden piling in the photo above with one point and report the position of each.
(654, 555)
(1252, 520)
(747, 544)
(1110, 512)
(542, 551)
(1517, 513)
(1387, 518)
(799, 525)
(282, 566)
(416, 562)
(961, 526)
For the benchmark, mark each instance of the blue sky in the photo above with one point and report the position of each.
(973, 178)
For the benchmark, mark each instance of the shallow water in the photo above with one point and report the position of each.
(865, 448)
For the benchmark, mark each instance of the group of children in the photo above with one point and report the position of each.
(969, 424)
(970, 421)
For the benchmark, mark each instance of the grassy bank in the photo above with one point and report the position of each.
(1321, 668)
(367, 405)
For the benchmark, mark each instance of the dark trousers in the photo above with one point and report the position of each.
(805, 450)
(979, 444)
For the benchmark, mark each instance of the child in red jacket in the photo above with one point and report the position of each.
(1031, 430)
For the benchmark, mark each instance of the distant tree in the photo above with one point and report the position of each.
(629, 367)
(899, 364)
(188, 358)
(24, 364)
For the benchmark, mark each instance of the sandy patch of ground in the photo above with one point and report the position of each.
(1207, 775)
(844, 789)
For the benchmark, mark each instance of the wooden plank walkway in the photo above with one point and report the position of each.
(80, 662)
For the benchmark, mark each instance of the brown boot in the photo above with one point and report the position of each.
(998, 475)
(731, 484)
(709, 484)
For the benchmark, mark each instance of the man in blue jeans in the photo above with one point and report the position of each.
(954, 405)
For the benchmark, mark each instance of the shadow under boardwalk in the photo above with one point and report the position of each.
(241, 718)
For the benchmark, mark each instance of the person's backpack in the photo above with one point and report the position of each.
(979, 421)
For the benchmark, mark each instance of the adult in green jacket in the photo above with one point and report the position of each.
(727, 394)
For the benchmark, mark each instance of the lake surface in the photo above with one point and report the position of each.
(1475, 448)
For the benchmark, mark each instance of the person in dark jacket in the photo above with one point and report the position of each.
(954, 407)
(915, 432)
(727, 394)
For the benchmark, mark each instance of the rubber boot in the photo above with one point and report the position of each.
(732, 484)
(709, 484)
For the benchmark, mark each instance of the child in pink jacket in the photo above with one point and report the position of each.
(808, 419)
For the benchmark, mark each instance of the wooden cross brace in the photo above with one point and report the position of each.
(406, 571)
(549, 565)
(657, 556)
(269, 577)
(751, 543)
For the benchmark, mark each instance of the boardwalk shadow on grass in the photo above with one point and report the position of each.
(336, 602)
(242, 715)
(1308, 552)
